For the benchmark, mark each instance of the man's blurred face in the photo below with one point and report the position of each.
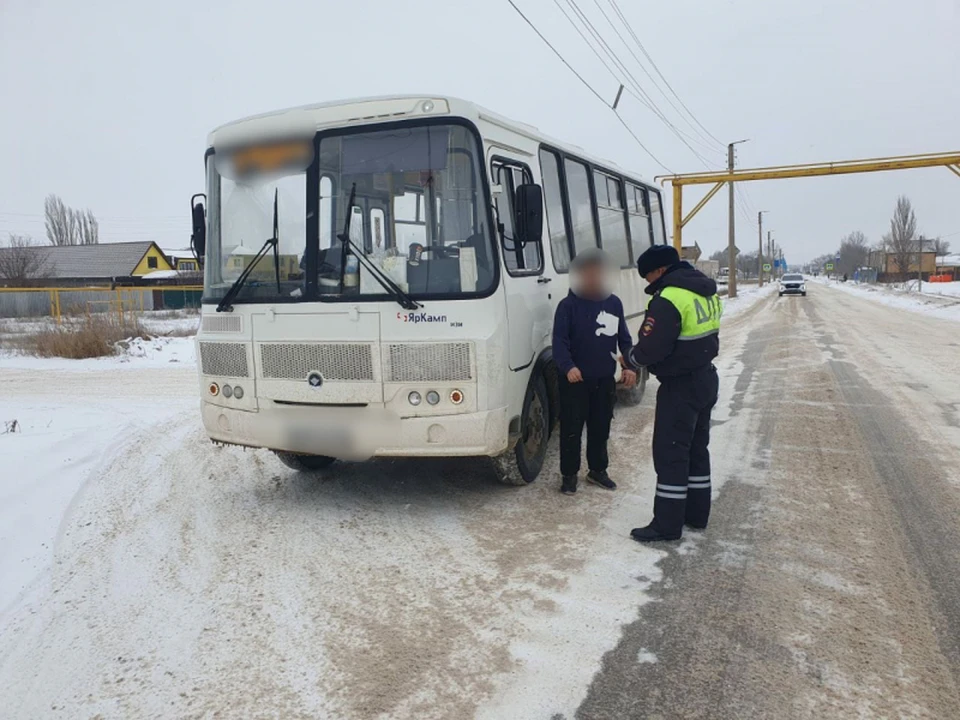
(591, 281)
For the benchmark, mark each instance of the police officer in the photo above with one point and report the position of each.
(678, 340)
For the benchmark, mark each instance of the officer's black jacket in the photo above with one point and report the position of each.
(658, 347)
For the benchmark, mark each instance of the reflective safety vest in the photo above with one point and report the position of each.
(699, 316)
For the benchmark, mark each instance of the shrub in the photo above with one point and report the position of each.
(79, 338)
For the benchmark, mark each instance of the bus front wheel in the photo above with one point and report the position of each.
(304, 463)
(522, 463)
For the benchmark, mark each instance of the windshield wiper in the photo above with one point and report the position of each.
(224, 305)
(404, 300)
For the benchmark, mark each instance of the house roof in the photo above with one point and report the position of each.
(106, 260)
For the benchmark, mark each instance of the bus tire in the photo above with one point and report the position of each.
(304, 463)
(521, 464)
(634, 396)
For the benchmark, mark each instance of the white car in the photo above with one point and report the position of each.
(793, 285)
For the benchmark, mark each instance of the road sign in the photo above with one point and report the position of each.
(837, 258)
(776, 263)
(766, 267)
(829, 266)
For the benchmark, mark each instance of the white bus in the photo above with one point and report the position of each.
(380, 279)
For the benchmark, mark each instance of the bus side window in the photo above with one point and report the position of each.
(581, 205)
(518, 259)
(639, 219)
(656, 218)
(613, 227)
(553, 200)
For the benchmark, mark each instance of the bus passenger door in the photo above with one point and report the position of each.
(528, 308)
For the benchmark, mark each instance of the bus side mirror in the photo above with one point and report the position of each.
(528, 213)
(198, 238)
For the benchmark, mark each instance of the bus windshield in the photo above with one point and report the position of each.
(417, 217)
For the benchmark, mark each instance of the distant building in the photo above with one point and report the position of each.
(885, 263)
(101, 264)
(710, 268)
(182, 260)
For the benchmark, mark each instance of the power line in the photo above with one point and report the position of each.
(636, 39)
(647, 73)
(586, 84)
(647, 100)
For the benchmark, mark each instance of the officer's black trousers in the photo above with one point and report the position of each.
(589, 402)
(681, 434)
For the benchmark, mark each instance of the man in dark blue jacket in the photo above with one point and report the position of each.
(588, 329)
(678, 340)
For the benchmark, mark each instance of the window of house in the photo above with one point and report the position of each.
(553, 200)
(613, 225)
(519, 258)
(639, 219)
(152, 263)
(581, 205)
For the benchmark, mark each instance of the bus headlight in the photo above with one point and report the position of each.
(414, 398)
(214, 389)
(227, 391)
(456, 397)
(238, 392)
(433, 397)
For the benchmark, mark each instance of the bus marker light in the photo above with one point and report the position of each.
(433, 397)
(214, 389)
(227, 391)
(456, 397)
(238, 392)
(414, 398)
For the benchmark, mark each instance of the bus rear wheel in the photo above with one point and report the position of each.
(521, 464)
(304, 463)
(634, 396)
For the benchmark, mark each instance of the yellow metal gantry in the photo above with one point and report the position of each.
(950, 160)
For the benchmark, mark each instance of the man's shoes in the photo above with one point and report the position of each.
(651, 534)
(600, 477)
(695, 526)
(569, 485)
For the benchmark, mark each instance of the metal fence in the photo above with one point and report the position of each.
(57, 302)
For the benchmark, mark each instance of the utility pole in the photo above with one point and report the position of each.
(731, 239)
(770, 250)
(760, 254)
(920, 264)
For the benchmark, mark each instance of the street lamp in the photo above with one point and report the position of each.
(760, 253)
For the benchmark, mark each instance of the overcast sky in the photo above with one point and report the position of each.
(109, 104)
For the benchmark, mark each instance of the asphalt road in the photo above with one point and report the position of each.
(828, 584)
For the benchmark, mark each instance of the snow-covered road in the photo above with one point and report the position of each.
(146, 573)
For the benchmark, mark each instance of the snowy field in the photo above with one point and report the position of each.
(941, 300)
(117, 516)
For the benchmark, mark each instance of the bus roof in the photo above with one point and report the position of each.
(308, 119)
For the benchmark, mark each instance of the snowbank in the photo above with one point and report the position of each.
(747, 297)
(926, 303)
(135, 353)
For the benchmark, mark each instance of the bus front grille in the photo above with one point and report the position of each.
(428, 362)
(222, 323)
(334, 361)
(224, 359)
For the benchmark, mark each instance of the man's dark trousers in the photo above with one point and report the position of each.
(589, 402)
(681, 433)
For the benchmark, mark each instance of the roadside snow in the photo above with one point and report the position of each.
(747, 297)
(936, 306)
(137, 354)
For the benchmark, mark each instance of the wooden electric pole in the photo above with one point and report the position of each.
(760, 254)
(731, 239)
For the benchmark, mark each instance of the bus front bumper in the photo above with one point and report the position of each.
(358, 433)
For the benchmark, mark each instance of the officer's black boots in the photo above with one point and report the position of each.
(569, 485)
(668, 516)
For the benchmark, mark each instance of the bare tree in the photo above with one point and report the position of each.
(57, 221)
(24, 260)
(68, 226)
(901, 241)
(853, 252)
(88, 229)
(941, 247)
